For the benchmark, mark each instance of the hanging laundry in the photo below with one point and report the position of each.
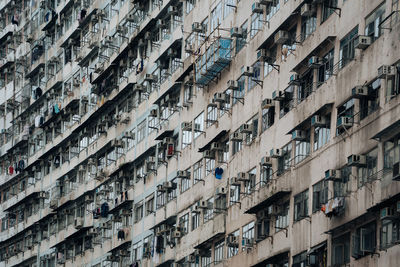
(21, 164)
(56, 109)
(37, 121)
(121, 235)
(10, 170)
(15, 19)
(218, 173)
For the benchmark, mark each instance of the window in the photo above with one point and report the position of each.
(268, 117)
(234, 196)
(372, 22)
(322, 133)
(248, 232)
(308, 26)
(256, 24)
(256, 75)
(328, 8)
(233, 249)
(198, 171)
(241, 42)
(160, 201)
(341, 250)
(369, 172)
(216, 16)
(219, 251)
(184, 223)
(393, 85)
(208, 213)
(285, 161)
(320, 195)
(302, 149)
(198, 125)
(210, 165)
(212, 115)
(250, 184)
(266, 174)
(306, 86)
(287, 103)
(341, 188)
(188, 93)
(273, 8)
(282, 221)
(347, 111)
(262, 228)
(268, 67)
(185, 183)
(153, 122)
(370, 104)
(195, 218)
(190, 5)
(395, 7)
(363, 241)
(301, 206)
(300, 260)
(236, 145)
(171, 194)
(346, 53)
(230, 5)
(186, 138)
(137, 251)
(238, 94)
(150, 205)
(138, 212)
(141, 131)
(206, 260)
(390, 234)
(249, 137)
(326, 69)
(391, 151)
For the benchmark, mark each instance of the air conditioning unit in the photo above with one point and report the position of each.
(246, 128)
(216, 146)
(294, 79)
(111, 258)
(208, 154)
(202, 204)
(318, 121)
(128, 135)
(247, 242)
(220, 97)
(98, 67)
(345, 122)
(161, 25)
(359, 91)
(93, 231)
(278, 95)
(191, 258)
(89, 198)
(186, 126)
(357, 160)
(281, 37)
(150, 78)
(177, 234)
(153, 113)
(168, 140)
(78, 224)
(232, 241)
(299, 135)
(237, 137)
(315, 62)
(168, 185)
(257, 8)
(248, 71)
(332, 175)
(138, 87)
(362, 42)
(233, 85)
(276, 210)
(396, 171)
(237, 32)
(262, 214)
(275, 153)
(172, 10)
(385, 71)
(388, 214)
(54, 204)
(235, 181)
(183, 174)
(121, 29)
(220, 191)
(307, 10)
(243, 176)
(142, 43)
(267, 103)
(264, 55)
(171, 53)
(198, 27)
(105, 225)
(266, 2)
(117, 143)
(131, 18)
(42, 195)
(189, 48)
(266, 161)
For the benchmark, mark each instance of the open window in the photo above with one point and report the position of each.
(341, 250)
(363, 241)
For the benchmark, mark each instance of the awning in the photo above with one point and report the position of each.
(362, 219)
(317, 247)
(277, 258)
(31, 195)
(307, 122)
(35, 70)
(218, 137)
(166, 263)
(171, 220)
(206, 243)
(173, 44)
(166, 133)
(267, 202)
(173, 87)
(384, 203)
(387, 132)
